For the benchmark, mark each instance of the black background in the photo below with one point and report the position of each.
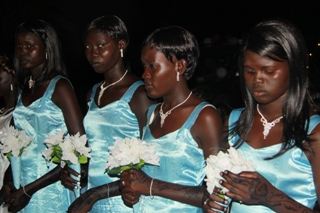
(221, 21)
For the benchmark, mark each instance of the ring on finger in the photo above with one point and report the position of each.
(205, 202)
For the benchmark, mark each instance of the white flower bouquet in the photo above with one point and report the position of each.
(230, 160)
(66, 149)
(13, 142)
(130, 153)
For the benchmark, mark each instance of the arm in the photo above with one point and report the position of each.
(252, 188)
(207, 132)
(84, 203)
(64, 97)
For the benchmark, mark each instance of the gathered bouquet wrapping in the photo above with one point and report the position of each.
(69, 149)
(229, 159)
(130, 153)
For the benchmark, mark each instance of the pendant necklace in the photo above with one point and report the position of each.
(165, 115)
(31, 82)
(266, 125)
(102, 89)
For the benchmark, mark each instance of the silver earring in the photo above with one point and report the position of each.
(121, 52)
(46, 55)
(177, 76)
(11, 87)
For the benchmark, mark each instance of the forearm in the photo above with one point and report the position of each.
(85, 202)
(282, 203)
(47, 179)
(192, 195)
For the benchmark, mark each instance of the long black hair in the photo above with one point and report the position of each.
(279, 40)
(46, 33)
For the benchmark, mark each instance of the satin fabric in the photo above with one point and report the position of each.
(103, 126)
(291, 172)
(41, 119)
(181, 162)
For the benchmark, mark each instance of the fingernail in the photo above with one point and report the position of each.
(221, 173)
(225, 209)
(75, 187)
(79, 176)
(78, 182)
(220, 181)
(226, 202)
(225, 172)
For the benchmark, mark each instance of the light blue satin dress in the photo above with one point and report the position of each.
(103, 126)
(181, 162)
(40, 119)
(291, 172)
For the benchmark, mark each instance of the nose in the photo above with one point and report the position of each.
(145, 74)
(258, 77)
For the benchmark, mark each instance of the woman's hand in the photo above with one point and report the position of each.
(210, 202)
(247, 187)
(66, 180)
(134, 183)
(17, 200)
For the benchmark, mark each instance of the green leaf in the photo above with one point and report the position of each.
(55, 159)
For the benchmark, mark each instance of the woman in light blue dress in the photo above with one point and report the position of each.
(117, 109)
(184, 129)
(46, 104)
(277, 129)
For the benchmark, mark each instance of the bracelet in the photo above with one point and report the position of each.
(24, 191)
(108, 196)
(151, 196)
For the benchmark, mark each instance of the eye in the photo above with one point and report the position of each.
(248, 70)
(153, 66)
(269, 71)
(87, 46)
(101, 45)
(29, 46)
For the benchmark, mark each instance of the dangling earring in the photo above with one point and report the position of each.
(177, 76)
(121, 53)
(11, 87)
(46, 55)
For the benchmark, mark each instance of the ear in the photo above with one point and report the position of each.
(180, 66)
(122, 44)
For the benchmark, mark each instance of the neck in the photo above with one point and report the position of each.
(270, 111)
(113, 75)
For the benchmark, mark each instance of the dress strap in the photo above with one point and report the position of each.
(129, 93)
(314, 121)
(233, 118)
(150, 114)
(194, 115)
(52, 85)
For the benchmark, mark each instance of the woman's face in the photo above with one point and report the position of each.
(102, 52)
(159, 73)
(5, 81)
(266, 79)
(30, 51)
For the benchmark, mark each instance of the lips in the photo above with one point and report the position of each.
(258, 92)
(95, 63)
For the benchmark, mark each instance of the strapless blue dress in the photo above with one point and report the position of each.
(103, 126)
(181, 162)
(40, 119)
(290, 172)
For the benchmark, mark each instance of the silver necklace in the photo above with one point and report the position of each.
(103, 89)
(165, 115)
(31, 82)
(266, 125)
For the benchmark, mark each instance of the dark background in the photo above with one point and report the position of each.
(220, 23)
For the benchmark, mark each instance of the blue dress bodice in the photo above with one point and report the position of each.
(40, 119)
(291, 172)
(103, 126)
(181, 162)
